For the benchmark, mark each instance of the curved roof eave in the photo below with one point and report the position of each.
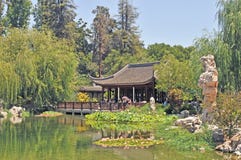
(125, 84)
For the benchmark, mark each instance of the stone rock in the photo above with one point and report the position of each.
(184, 114)
(190, 123)
(225, 147)
(218, 136)
(152, 104)
(3, 114)
(16, 111)
(238, 150)
(208, 81)
(232, 145)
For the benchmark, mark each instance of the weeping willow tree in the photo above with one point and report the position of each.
(225, 45)
(43, 67)
(9, 83)
(229, 18)
(214, 45)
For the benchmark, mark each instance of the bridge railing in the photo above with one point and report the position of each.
(93, 106)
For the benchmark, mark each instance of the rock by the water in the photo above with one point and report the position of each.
(184, 114)
(218, 136)
(232, 145)
(3, 114)
(192, 124)
(16, 111)
(225, 147)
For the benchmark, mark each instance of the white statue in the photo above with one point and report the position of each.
(152, 103)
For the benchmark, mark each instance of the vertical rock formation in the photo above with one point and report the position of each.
(208, 81)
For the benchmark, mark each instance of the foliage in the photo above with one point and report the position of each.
(115, 60)
(184, 140)
(18, 13)
(121, 126)
(83, 97)
(158, 50)
(55, 15)
(126, 35)
(102, 26)
(25, 114)
(175, 99)
(173, 74)
(38, 68)
(214, 45)
(228, 113)
(225, 45)
(172, 136)
(9, 83)
(229, 17)
(142, 115)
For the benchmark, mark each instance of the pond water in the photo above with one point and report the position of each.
(69, 138)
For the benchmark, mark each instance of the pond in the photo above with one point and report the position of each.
(69, 138)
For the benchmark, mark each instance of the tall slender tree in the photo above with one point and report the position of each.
(57, 15)
(101, 32)
(127, 32)
(127, 16)
(1, 16)
(229, 18)
(18, 13)
(1, 9)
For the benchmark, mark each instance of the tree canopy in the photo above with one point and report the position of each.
(37, 68)
(40, 63)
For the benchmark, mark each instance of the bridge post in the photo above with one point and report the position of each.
(73, 108)
(81, 108)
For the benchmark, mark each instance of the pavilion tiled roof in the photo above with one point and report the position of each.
(131, 74)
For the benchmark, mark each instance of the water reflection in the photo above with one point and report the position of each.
(16, 120)
(70, 138)
(135, 134)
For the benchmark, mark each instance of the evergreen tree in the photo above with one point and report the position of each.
(126, 37)
(82, 35)
(18, 13)
(1, 16)
(1, 9)
(57, 15)
(102, 27)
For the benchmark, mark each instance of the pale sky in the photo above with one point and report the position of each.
(174, 22)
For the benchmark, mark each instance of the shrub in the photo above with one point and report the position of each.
(228, 112)
(83, 97)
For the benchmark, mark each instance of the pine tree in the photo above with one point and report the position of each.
(102, 26)
(57, 15)
(127, 32)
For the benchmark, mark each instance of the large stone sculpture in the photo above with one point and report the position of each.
(208, 81)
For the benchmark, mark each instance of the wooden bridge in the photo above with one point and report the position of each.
(89, 107)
